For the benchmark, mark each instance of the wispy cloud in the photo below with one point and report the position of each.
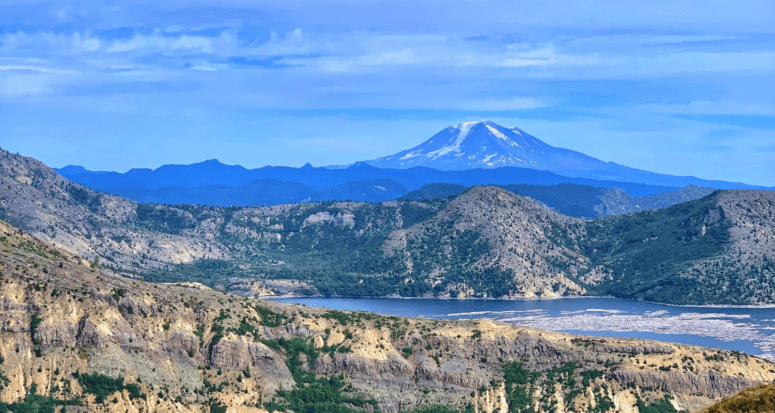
(368, 52)
(24, 43)
(713, 107)
(516, 103)
(19, 86)
(224, 44)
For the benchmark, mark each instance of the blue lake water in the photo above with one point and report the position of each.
(747, 329)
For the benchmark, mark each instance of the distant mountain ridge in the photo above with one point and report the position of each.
(213, 183)
(580, 201)
(468, 154)
(267, 192)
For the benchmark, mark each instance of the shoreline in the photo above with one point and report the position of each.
(719, 323)
(573, 297)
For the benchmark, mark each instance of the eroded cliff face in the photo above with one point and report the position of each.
(186, 348)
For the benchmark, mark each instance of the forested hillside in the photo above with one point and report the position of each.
(696, 252)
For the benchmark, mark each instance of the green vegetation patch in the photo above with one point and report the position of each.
(246, 329)
(515, 379)
(521, 387)
(659, 406)
(340, 316)
(117, 294)
(102, 386)
(35, 403)
(208, 272)
(90, 199)
(759, 399)
(414, 212)
(163, 219)
(217, 329)
(271, 318)
(312, 394)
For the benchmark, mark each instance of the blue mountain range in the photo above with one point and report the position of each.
(468, 154)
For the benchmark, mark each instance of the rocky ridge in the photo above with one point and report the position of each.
(615, 201)
(89, 223)
(517, 231)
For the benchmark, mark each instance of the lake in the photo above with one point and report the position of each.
(747, 329)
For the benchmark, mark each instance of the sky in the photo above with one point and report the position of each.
(671, 86)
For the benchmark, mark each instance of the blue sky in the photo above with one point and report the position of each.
(679, 87)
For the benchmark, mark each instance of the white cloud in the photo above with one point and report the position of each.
(544, 56)
(157, 42)
(713, 108)
(23, 43)
(62, 15)
(517, 103)
(209, 67)
(292, 44)
(15, 67)
(629, 39)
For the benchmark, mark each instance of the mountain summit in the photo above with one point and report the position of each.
(485, 144)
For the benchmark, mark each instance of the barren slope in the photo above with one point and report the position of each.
(89, 223)
(518, 238)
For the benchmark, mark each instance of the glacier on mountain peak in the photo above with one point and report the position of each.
(464, 128)
(411, 155)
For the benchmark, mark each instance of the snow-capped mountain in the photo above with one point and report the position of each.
(484, 144)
